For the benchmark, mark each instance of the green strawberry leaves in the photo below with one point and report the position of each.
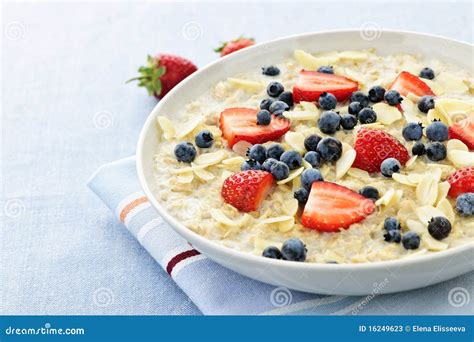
(150, 76)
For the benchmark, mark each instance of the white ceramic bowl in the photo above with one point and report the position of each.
(340, 279)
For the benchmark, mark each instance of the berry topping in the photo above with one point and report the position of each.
(360, 97)
(250, 164)
(464, 131)
(437, 131)
(234, 45)
(465, 204)
(374, 146)
(331, 207)
(392, 236)
(354, 108)
(270, 70)
(376, 94)
(439, 227)
(257, 152)
(271, 252)
(246, 190)
(408, 83)
(278, 107)
(274, 89)
(275, 151)
(301, 195)
(313, 158)
(393, 98)
(326, 69)
(267, 164)
(239, 124)
(418, 149)
(369, 192)
(426, 103)
(391, 223)
(293, 250)
(292, 159)
(330, 149)
(348, 121)
(412, 131)
(311, 142)
(264, 117)
(327, 101)
(266, 103)
(367, 115)
(287, 97)
(461, 181)
(279, 170)
(389, 167)
(311, 84)
(436, 151)
(185, 152)
(309, 176)
(427, 73)
(204, 139)
(411, 240)
(329, 122)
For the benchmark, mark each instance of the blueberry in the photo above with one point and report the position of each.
(391, 223)
(369, 192)
(465, 204)
(278, 107)
(267, 164)
(257, 152)
(274, 89)
(329, 122)
(204, 139)
(390, 166)
(437, 131)
(287, 97)
(293, 250)
(313, 158)
(309, 176)
(427, 73)
(266, 103)
(185, 152)
(367, 115)
(411, 240)
(264, 117)
(280, 170)
(250, 164)
(326, 69)
(311, 142)
(426, 103)
(275, 151)
(393, 236)
(330, 149)
(270, 70)
(412, 131)
(393, 98)
(439, 227)
(348, 121)
(271, 252)
(354, 108)
(436, 151)
(292, 159)
(327, 101)
(376, 94)
(360, 97)
(301, 195)
(418, 149)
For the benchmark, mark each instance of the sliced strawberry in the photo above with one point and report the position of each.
(246, 190)
(311, 84)
(331, 207)
(406, 83)
(464, 131)
(461, 181)
(374, 146)
(239, 124)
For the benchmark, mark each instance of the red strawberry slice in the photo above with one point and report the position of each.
(331, 207)
(246, 190)
(239, 124)
(464, 131)
(406, 83)
(461, 181)
(311, 84)
(374, 146)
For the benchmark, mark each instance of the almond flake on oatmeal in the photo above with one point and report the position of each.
(426, 213)
(411, 162)
(220, 217)
(456, 145)
(293, 175)
(443, 189)
(386, 114)
(167, 127)
(345, 162)
(427, 190)
(309, 106)
(403, 179)
(247, 85)
(233, 161)
(452, 82)
(386, 198)
(203, 174)
(296, 141)
(359, 174)
(187, 169)
(210, 158)
(353, 55)
(291, 207)
(185, 178)
(432, 244)
(189, 127)
(303, 115)
(308, 61)
(461, 158)
(416, 226)
(445, 206)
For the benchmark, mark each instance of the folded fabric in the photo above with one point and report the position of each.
(217, 290)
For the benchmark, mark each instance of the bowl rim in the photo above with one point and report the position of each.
(234, 254)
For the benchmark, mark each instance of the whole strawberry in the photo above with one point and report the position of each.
(234, 45)
(162, 73)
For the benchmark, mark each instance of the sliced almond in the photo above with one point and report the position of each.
(210, 158)
(432, 244)
(403, 179)
(247, 85)
(386, 198)
(277, 219)
(185, 178)
(311, 62)
(417, 226)
(203, 174)
(456, 145)
(435, 87)
(306, 164)
(188, 169)
(354, 55)
(293, 175)
(233, 161)
(296, 141)
(386, 114)
(452, 83)
(359, 174)
(286, 226)
(461, 158)
(445, 206)
(220, 217)
(345, 162)
(189, 127)
(427, 190)
(411, 162)
(303, 115)
(167, 126)
(309, 106)
(426, 213)
(443, 189)
(291, 207)
(415, 178)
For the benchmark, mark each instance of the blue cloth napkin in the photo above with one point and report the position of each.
(217, 290)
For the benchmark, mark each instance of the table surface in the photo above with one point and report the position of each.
(66, 110)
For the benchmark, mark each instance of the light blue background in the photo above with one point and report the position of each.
(66, 111)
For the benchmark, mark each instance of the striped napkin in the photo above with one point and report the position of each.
(217, 290)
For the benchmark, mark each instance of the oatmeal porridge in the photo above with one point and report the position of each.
(336, 157)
